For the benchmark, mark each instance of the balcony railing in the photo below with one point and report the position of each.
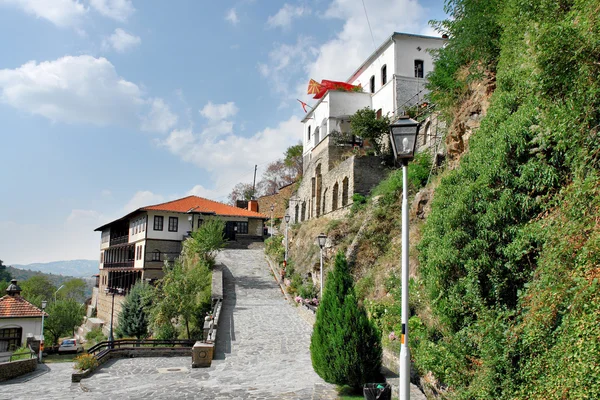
(121, 264)
(119, 240)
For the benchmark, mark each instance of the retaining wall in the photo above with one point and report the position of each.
(9, 370)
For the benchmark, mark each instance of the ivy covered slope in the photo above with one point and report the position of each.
(510, 254)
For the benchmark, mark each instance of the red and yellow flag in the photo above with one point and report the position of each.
(314, 87)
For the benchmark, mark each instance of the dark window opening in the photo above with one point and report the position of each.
(156, 255)
(383, 75)
(200, 222)
(173, 224)
(158, 222)
(10, 339)
(242, 228)
(372, 84)
(309, 133)
(378, 114)
(418, 68)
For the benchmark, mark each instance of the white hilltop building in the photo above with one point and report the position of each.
(393, 79)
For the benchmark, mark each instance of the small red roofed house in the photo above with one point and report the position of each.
(18, 319)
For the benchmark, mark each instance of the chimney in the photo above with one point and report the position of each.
(253, 205)
(13, 289)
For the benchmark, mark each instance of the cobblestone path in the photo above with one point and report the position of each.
(262, 352)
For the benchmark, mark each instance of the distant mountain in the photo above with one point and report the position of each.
(76, 268)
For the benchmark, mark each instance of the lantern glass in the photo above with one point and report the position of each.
(322, 239)
(44, 303)
(287, 219)
(403, 135)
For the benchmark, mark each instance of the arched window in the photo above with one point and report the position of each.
(297, 212)
(303, 216)
(418, 68)
(372, 84)
(345, 192)
(334, 197)
(317, 135)
(383, 75)
(324, 200)
(309, 133)
(319, 187)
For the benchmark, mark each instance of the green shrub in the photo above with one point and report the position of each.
(95, 335)
(345, 345)
(274, 247)
(358, 202)
(85, 361)
(307, 290)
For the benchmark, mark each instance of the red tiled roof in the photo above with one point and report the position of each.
(199, 204)
(18, 307)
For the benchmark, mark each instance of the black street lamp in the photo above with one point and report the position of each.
(287, 220)
(272, 209)
(403, 135)
(113, 291)
(321, 240)
(44, 304)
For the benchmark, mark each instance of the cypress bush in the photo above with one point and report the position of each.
(135, 317)
(345, 346)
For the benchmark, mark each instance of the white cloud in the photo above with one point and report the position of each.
(62, 13)
(354, 43)
(286, 61)
(201, 191)
(216, 112)
(77, 215)
(283, 18)
(121, 41)
(232, 17)
(143, 198)
(119, 10)
(82, 89)
(160, 118)
(227, 156)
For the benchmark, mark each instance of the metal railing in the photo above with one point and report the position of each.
(30, 353)
(135, 344)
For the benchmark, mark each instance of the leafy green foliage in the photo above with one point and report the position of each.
(135, 312)
(345, 345)
(274, 247)
(207, 240)
(4, 274)
(95, 335)
(509, 254)
(73, 289)
(85, 361)
(364, 123)
(37, 289)
(64, 316)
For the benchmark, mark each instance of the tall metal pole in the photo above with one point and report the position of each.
(286, 243)
(42, 333)
(112, 310)
(404, 350)
(321, 277)
(272, 220)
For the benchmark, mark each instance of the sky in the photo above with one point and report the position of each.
(110, 105)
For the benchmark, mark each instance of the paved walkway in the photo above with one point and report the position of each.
(262, 352)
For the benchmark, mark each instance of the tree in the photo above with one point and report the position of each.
(293, 159)
(38, 288)
(364, 123)
(4, 274)
(63, 317)
(207, 241)
(345, 345)
(241, 191)
(135, 312)
(73, 289)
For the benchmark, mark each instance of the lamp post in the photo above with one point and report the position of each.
(112, 311)
(287, 219)
(44, 303)
(61, 286)
(272, 209)
(403, 136)
(321, 240)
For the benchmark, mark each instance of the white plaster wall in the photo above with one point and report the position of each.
(384, 99)
(334, 104)
(373, 68)
(182, 227)
(406, 53)
(137, 228)
(31, 326)
(140, 263)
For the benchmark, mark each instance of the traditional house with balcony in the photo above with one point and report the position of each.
(137, 245)
(393, 79)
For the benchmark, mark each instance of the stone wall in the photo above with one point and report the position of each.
(9, 370)
(342, 175)
(279, 200)
(406, 92)
(104, 307)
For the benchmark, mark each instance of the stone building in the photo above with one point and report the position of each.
(393, 79)
(137, 245)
